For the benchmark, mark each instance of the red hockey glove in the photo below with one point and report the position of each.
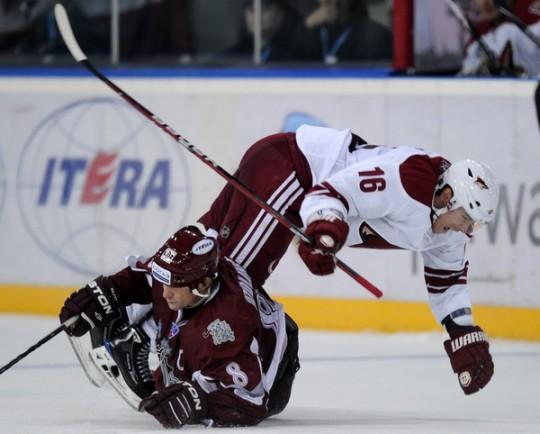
(468, 350)
(96, 304)
(177, 405)
(328, 237)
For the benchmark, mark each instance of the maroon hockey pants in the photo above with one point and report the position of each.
(277, 172)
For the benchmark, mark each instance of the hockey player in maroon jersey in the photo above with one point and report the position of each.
(227, 352)
(344, 191)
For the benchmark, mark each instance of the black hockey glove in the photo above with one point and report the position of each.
(96, 304)
(177, 405)
(468, 350)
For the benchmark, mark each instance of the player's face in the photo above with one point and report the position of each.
(455, 220)
(179, 297)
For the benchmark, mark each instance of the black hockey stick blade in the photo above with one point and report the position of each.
(39, 343)
(73, 46)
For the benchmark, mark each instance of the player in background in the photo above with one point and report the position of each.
(516, 52)
(486, 15)
(345, 192)
(227, 352)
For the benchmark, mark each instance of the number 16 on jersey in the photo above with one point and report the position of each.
(372, 180)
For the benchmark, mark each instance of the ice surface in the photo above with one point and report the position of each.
(348, 383)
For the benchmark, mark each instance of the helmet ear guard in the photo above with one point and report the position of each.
(474, 187)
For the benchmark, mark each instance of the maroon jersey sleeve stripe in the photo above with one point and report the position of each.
(439, 289)
(446, 273)
(438, 281)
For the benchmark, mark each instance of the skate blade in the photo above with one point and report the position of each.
(82, 347)
(108, 368)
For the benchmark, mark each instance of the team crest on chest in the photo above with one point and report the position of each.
(220, 331)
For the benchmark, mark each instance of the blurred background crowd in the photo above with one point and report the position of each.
(470, 37)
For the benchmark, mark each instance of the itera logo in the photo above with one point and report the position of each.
(96, 182)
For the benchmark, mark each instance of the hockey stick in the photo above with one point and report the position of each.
(39, 343)
(520, 24)
(69, 38)
(460, 14)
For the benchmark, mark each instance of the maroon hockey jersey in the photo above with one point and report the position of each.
(231, 345)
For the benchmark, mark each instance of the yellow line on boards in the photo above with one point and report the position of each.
(334, 314)
(405, 316)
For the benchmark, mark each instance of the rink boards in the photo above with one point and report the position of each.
(85, 180)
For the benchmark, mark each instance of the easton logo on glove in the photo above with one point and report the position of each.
(194, 394)
(101, 298)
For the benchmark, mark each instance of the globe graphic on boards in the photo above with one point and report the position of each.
(96, 182)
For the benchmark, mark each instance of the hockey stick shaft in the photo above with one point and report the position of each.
(71, 42)
(39, 343)
(460, 14)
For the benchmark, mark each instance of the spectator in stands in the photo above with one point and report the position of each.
(164, 30)
(23, 27)
(342, 30)
(148, 28)
(279, 25)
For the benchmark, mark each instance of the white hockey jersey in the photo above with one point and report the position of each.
(385, 195)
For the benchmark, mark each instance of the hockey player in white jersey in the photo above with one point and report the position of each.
(349, 192)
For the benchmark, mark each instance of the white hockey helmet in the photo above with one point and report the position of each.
(475, 189)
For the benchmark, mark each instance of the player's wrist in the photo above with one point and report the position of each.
(458, 320)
